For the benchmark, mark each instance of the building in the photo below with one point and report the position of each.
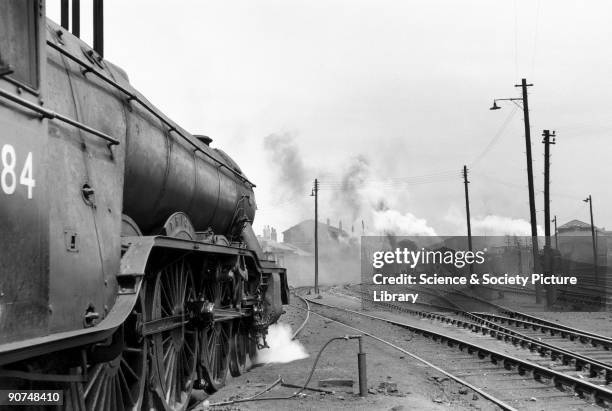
(339, 261)
(279, 252)
(302, 235)
(576, 243)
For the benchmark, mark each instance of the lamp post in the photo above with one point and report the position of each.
(532, 210)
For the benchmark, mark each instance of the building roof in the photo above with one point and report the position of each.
(275, 247)
(576, 225)
(306, 224)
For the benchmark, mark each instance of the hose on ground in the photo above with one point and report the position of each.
(256, 397)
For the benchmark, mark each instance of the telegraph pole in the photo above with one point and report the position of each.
(467, 207)
(547, 141)
(593, 235)
(315, 193)
(532, 210)
(554, 220)
(467, 213)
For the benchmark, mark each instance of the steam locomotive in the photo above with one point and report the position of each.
(129, 271)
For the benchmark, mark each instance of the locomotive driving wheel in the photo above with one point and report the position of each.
(116, 374)
(215, 354)
(251, 347)
(239, 348)
(174, 347)
(216, 337)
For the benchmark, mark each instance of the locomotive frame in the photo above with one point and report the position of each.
(124, 284)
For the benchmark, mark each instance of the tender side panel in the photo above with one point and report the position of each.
(84, 231)
(24, 278)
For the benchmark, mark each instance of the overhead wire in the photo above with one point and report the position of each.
(496, 137)
(535, 37)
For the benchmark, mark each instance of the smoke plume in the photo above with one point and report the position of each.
(349, 195)
(283, 154)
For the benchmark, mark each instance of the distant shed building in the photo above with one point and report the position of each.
(302, 235)
(575, 242)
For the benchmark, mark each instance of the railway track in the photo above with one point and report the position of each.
(496, 401)
(566, 368)
(575, 352)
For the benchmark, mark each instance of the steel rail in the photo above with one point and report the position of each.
(301, 327)
(544, 348)
(555, 352)
(50, 114)
(484, 394)
(542, 322)
(499, 332)
(89, 68)
(531, 318)
(563, 331)
(506, 334)
(560, 380)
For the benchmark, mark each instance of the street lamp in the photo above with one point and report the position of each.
(496, 107)
(532, 211)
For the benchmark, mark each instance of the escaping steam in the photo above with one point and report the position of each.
(498, 225)
(282, 348)
(396, 223)
(489, 225)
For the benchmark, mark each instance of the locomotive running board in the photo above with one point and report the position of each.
(134, 261)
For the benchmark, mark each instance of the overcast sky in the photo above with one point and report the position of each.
(404, 84)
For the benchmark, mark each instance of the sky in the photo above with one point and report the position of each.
(384, 102)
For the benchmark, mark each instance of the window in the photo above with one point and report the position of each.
(19, 40)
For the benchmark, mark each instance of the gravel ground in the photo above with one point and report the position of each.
(395, 382)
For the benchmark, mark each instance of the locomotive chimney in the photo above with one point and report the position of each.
(98, 27)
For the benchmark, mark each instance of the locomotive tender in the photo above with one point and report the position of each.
(129, 271)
